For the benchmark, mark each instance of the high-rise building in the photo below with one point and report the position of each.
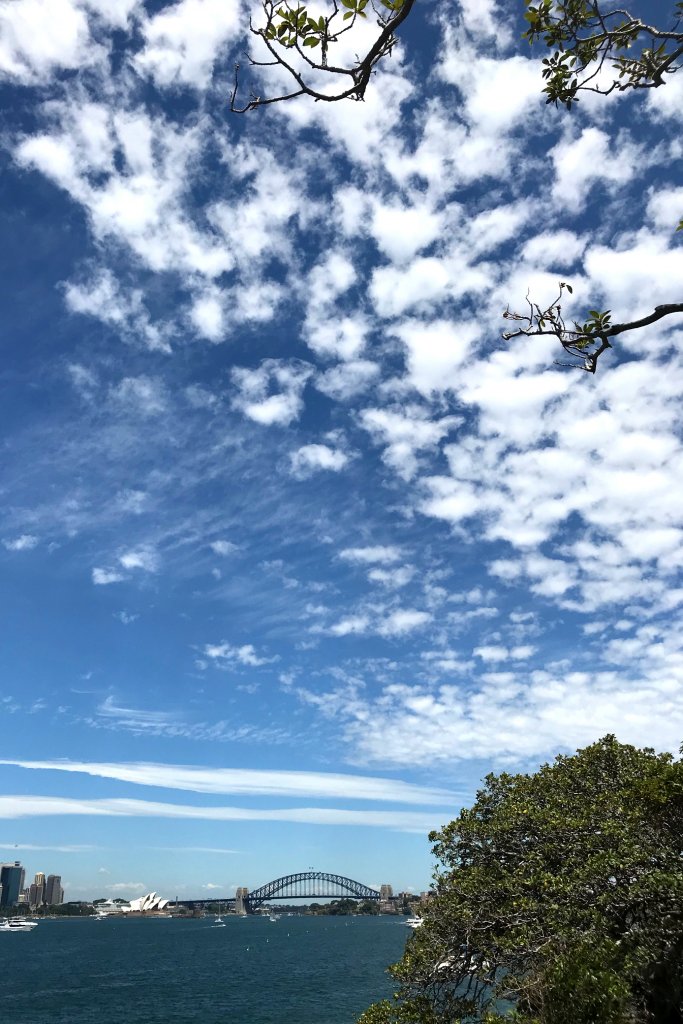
(12, 882)
(36, 896)
(386, 899)
(54, 894)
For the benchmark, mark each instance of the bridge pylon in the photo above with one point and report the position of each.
(242, 901)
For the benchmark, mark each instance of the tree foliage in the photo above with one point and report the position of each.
(558, 900)
(599, 50)
(301, 44)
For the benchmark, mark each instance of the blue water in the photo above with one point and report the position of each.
(300, 970)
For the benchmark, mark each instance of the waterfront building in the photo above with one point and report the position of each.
(386, 900)
(36, 893)
(149, 904)
(12, 881)
(54, 894)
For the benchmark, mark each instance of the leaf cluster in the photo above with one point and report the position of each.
(558, 899)
(586, 40)
(288, 27)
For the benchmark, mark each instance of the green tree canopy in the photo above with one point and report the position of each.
(559, 894)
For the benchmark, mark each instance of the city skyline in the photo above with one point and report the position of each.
(294, 547)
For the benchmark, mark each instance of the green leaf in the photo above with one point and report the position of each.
(311, 41)
(349, 14)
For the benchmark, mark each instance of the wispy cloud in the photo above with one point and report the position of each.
(56, 847)
(12, 807)
(382, 553)
(244, 781)
(26, 542)
(226, 654)
(103, 577)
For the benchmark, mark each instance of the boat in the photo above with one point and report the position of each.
(17, 924)
(218, 920)
(414, 922)
(273, 917)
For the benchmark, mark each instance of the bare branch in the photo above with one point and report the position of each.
(584, 342)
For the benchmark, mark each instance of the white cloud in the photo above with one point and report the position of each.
(392, 578)
(38, 37)
(510, 718)
(401, 232)
(452, 500)
(395, 290)
(143, 204)
(223, 547)
(183, 41)
(126, 887)
(405, 433)
(226, 654)
(125, 618)
(343, 338)
(253, 386)
(249, 782)
(208, 316)
(138, 720)
(312, 458)
(144, 396)
(103, 297)
(554, 249)
(499, 93)
(14, 807)
(436, 351)
(580, 162)
(102, 577)
(140, 558)
(347, 380)
(25, 542)
(402, 621)
(382, 553)
(352, 624)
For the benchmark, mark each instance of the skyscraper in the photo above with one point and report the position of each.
(37, 890)
(12, 882)
(54, 894)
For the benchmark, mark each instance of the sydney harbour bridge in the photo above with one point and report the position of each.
(304, 885)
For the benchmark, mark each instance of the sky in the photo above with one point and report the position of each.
(294, 548)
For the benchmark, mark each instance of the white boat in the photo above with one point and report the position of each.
(17, 924)
(273, 917)
(414, 922)
(218, 920)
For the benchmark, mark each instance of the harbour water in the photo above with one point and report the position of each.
(298, 970)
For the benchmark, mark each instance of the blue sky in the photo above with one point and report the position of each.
(294, 548)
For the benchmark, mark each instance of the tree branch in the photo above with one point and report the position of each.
(584, 342)
(296, 29)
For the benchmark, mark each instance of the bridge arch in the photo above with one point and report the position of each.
(312, 885)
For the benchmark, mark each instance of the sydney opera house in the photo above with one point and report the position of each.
(149, 904)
